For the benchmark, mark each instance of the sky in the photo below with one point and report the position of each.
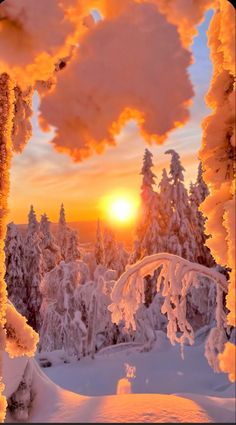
(45, 178)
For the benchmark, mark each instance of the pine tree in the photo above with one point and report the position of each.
(165, 208)
(15, 268)
(33, 224)
(198, 192)
(67, 239)
(181, 238)
(122, 259)
(110, 249)
(34, 270)
(50, 251)
(148, 230)
(99, 248)
(62, 232)
(72, 252)
(62, 326)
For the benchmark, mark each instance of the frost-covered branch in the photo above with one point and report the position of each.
(176, 277)
(6, 120)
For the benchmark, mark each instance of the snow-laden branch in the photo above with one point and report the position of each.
(176, 277)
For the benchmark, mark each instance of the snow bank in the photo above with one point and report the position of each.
(69, 407)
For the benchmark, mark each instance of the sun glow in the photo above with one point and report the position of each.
(120, 208)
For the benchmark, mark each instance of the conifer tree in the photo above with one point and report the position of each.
(110, 249)
(15, 268)
(67, 239)
(50, 251)
(165, 208)
(99, 248)
(148, 230)
(198, 193)
(181, 238)
(34, 270)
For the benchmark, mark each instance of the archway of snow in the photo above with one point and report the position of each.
(176, 277)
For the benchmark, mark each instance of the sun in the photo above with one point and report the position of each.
(119, 208)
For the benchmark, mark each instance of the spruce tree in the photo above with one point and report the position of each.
(110, 249)
(50, 251)
(99, 248)
(148, 229)
(67, 239)
(15, 268)
(198, 193)
(34, 270)
(181, 239)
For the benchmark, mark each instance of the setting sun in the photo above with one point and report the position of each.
(119, 207)
(121, 210)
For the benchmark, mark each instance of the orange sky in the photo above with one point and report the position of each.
(45, 178)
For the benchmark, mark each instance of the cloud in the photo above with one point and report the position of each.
(132, 65)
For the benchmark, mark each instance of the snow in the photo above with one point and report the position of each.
(164, 388)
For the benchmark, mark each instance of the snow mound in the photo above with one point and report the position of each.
(69, 407)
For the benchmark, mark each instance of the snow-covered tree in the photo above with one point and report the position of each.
(67, 239)
(198, 193)
(33, 224)
(176, 277)
(15, 268)
(110, 249)
(99, 248)
(122, 258)
(34, 270)
(72, 252)
(50, 251)
(148, 230)
(165, 208)
(62, 232)
(181, 238)
(62, 325)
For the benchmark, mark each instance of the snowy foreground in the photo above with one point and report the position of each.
(124, 385)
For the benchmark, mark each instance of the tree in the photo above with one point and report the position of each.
(72, 252)
(122, 258)
(110, 249)
(15, 268)
(176, 277)
(62, 326)
(198, 193)
(50, 251)
(99, 248)
(67, 239)
(34, 270)
(165, 208)
(181, 239)
(148, 229)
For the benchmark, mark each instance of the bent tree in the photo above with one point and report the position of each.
(176, 277)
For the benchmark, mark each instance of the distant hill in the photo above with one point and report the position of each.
(87, 232)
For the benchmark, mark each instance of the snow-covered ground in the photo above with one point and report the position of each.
(164, 387)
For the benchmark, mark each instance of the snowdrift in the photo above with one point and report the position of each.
(53, 404)
(200, 395)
